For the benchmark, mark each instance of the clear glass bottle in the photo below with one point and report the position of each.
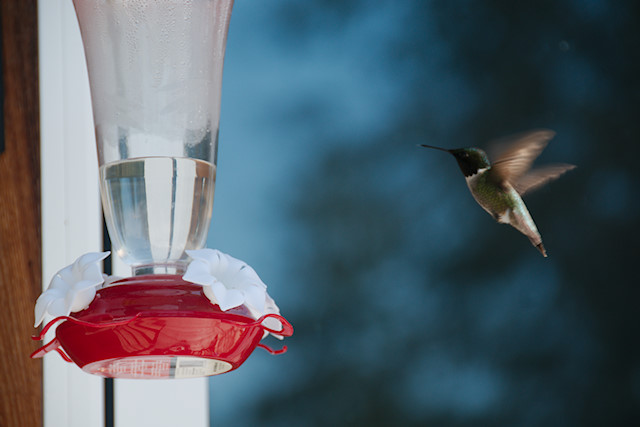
(155, 72)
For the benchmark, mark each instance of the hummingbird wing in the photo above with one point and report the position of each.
(538, 177)
(517, 156)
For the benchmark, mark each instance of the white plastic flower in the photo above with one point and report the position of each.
(72, 289)
(229, 282)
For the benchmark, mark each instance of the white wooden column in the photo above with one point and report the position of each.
(71, 223)
(72, 226)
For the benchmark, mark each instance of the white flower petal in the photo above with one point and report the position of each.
(202, 254)
(250, 274)
(58, 283)
(90, 260)
(230, 282)
(59, 307)
(86, 284)
(232, 265)
(255, 297)
(93, 275)
(72, 288)
(270, 306)
(42, 304)
(227, 298)
(82, 299)
(208, 292)
(198, 272)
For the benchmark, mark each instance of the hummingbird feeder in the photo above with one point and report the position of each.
(155, 73)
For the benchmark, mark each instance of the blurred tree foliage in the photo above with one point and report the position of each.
(420, 309)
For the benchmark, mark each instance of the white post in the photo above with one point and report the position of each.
(71, 222)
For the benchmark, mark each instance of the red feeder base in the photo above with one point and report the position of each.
(157, 326)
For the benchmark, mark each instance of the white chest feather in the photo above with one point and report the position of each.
(470, 179)
(505, 217)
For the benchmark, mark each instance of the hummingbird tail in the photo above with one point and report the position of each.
(540, 247)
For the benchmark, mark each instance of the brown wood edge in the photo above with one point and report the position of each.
(20, 238)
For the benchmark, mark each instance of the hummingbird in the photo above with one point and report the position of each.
(498, 187)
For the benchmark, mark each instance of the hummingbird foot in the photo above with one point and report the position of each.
(540, 247)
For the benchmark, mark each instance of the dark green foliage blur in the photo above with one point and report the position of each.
(419, 309)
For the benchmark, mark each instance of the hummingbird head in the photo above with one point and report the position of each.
(469, 159)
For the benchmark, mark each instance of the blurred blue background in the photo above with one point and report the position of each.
(411, 306)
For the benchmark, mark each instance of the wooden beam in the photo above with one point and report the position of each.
(20, 241)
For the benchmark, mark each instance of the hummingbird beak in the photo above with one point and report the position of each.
(436, 148)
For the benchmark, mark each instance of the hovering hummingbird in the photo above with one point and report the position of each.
(498, 186)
